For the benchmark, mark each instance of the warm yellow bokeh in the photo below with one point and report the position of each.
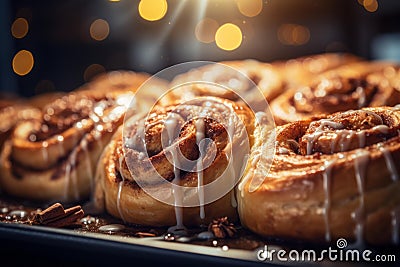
(23, 62)
(153, 10)
(370, 5)
(99, 29)
(19, 28)
(250, 8)
(205, 30)
(228, 37)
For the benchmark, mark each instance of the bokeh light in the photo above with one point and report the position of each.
(228, 37)
(99, 29)
(370, 5)
(93, 70)
(205, 30)
(23, 62)
(293, 34)
(19, 28)
(153, 10)
(250, 8)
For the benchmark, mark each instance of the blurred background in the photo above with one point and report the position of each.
(59, 45)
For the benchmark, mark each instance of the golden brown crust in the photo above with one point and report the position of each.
(52, 157)
(316, 193)
(351, 86)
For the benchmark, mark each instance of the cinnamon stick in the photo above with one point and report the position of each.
(56, 216)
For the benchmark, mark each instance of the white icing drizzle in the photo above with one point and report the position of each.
(343, 136)
(231, 169)
(67, 169)
(389, 163)
(362, 99)
(361, 159)
(199, 137)
(395, 177)
(381, 128)
(88, 162)
(120, 187)
(327, 183)
(170, 125)
(311, 138)
(283, 150)
(361, 138)
(232, 173)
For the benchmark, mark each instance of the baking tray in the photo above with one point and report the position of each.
(39, 246)
(84, 244)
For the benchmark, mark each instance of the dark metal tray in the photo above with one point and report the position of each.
(37, 245)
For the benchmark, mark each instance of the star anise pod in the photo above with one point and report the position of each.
(222, 228)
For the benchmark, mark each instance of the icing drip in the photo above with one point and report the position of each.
(67, 169)
(282, 150)
(231, 169)
(171, 124)
(395, 177)
(199, 137)
(389, 163)
(327, 183)
(88, 163)
(360, 166)
(311, 138)
(119, 194)
(120, 187)
(362, 98)
(343, 136)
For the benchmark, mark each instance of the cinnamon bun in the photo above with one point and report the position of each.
(335, 176)
(52, 158)
(239, 76)
(300, 71)
(352, 86)
(143, 171)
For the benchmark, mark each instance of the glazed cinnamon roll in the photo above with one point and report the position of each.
(235, 75)
(332, 177)
(352, 86)
(52, 158)
(116, 80)
(300, 71)
(178, 165)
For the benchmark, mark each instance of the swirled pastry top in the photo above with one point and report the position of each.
(351, 86)
(149, 141)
